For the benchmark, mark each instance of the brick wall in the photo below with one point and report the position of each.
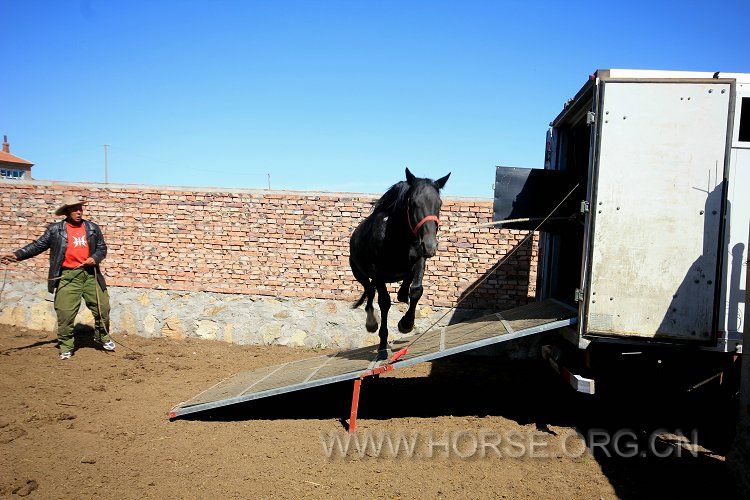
(293, 244)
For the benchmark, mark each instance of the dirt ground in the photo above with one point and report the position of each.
(97, 425)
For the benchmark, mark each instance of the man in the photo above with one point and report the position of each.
(76, 249)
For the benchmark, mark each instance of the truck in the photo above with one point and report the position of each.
(650, 242)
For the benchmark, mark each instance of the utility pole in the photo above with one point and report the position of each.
(106, 165)
(269, 181)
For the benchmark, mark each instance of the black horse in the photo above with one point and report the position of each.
(392, 244)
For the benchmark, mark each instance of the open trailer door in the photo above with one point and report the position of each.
(657, 210)
(528, 196)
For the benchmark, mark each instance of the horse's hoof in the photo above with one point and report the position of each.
(382, 351)
(372, 327)
(404, 328)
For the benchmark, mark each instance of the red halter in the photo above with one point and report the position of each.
(414, 230)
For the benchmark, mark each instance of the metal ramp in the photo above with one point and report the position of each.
(354, 364)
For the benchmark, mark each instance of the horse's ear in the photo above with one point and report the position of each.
(441, 182)
(410, 177)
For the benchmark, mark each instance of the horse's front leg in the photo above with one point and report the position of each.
(384, 301)
(403, 290)
(415, 293)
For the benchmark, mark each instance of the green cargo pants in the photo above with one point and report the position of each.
(74, 284)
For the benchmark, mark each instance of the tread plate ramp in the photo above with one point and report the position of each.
(348, 365)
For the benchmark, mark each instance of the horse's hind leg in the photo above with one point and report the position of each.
(384, 301)
(371, 323)
(406, 324)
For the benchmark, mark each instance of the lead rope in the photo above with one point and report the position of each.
(503, 222)
(388, 365)
(98, 306)
(402, 351)
(101, 319)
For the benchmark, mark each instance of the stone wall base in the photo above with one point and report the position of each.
(240, 319)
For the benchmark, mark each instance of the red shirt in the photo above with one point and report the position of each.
(78, 247)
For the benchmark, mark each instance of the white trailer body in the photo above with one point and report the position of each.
(654, 250)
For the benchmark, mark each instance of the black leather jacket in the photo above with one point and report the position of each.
(56, 239)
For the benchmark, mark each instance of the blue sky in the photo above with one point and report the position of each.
(331, 95)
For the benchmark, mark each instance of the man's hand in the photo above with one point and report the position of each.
(8, 258)
(88, 262)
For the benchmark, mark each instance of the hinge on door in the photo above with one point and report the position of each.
(590, 118)
(585, 206)
(579, 295)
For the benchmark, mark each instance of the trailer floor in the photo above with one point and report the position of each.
(96, 425)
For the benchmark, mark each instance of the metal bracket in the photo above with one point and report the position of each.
(579, 295)
(590, 118)
(553, 355)
(585, 206)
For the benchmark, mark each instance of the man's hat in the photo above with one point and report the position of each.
(68, 201)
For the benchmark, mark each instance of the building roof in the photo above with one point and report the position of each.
(9, 158)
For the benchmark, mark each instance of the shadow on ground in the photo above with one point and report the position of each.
(83, 339)
(528, 393)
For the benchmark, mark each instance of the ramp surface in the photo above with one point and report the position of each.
(348, 365)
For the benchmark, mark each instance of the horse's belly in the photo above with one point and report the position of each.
(389, 274)
(392, 278)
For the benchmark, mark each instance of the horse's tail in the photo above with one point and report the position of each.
(360, 301)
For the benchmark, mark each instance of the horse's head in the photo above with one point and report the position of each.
(423, 209)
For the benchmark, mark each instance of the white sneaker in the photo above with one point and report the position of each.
(65, 355)
(109, 346)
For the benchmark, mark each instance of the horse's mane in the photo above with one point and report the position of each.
(393, 199)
